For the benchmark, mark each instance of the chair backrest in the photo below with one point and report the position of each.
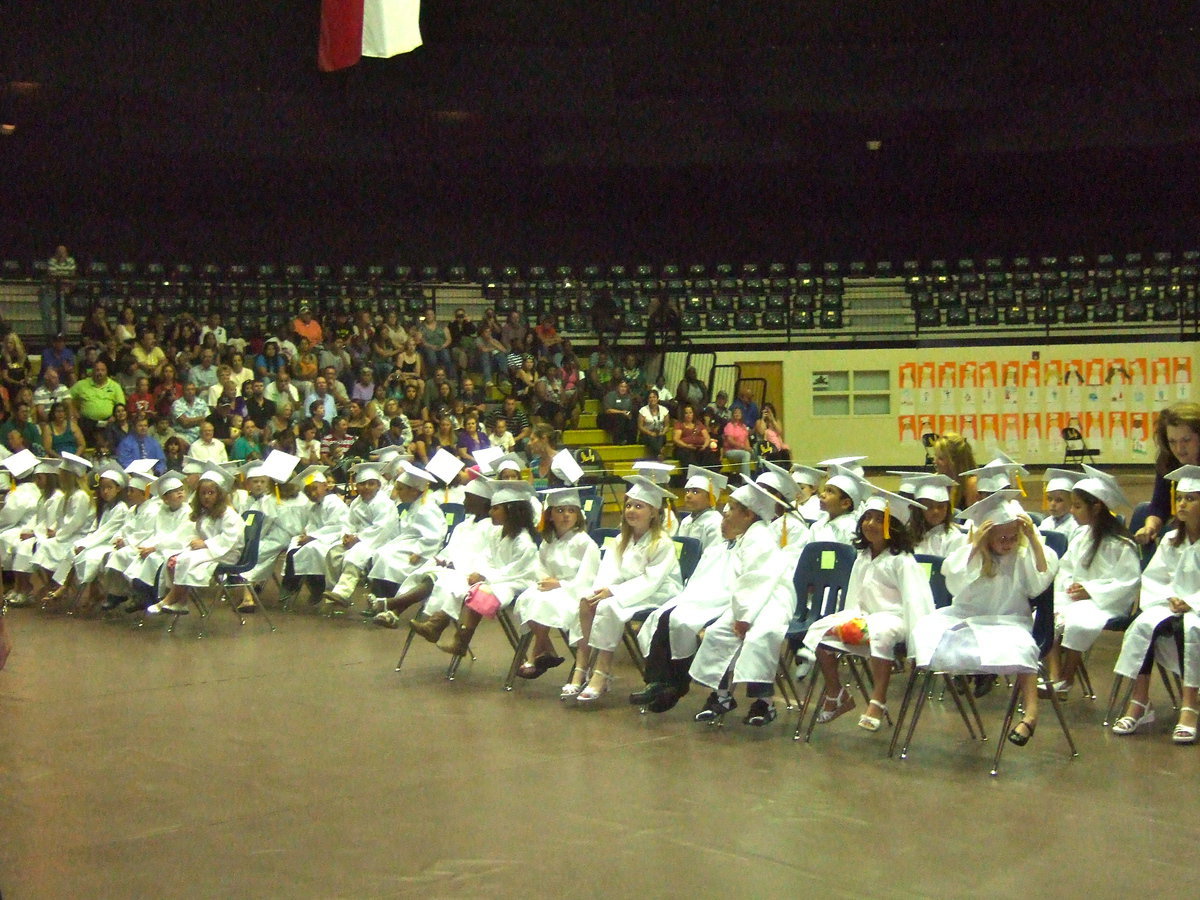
(688, 550)
(1056, 541)
(593, 506)
(937, 581)
(821, 577)
(603, 536)
(248, 558)
(455, 513)
(1071, 434)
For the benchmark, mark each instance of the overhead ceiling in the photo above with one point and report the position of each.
(552, 128)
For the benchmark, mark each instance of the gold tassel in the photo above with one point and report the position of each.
(712, 496)
(783, 539)
(1174, 505)
(446, 494)
(887, 521)
(278, 499)
(1020, 486)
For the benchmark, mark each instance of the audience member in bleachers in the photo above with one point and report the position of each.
(60, 357)
(617, 414)
(94, 398)
(653, 423)
(140, 444)
(736, 441)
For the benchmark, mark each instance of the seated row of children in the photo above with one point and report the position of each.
(147, 544)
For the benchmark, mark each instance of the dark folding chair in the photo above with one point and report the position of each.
(821, 577)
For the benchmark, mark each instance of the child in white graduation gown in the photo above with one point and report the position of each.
(371, 523)
(887, 594)
(217, 538)
(1057, 494)
(1098, 577)
(742, 646)
(568, 561)
(75, 517)
(934, 531)
(93, 547)
(639, 571)
(1168, 624)
(987, 628)
(839, 498)
(328, 519)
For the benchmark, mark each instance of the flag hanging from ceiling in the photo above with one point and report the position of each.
(352, 29)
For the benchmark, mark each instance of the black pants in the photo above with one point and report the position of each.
(1166, 628)
(660, 668)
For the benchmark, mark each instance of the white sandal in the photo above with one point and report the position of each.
(1184, 734)
(844, 703)
(871, 723)
(1130, 724)
(571, 689)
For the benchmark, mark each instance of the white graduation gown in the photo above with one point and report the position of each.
(574, 561)
(1113, 580)
(942, 540)
(326, 524)
(704, 526)
(95, 546)
(839, 530)
(706, 595)
(421, 531)
(1172, 572)
(891, 592)
(375, 523)
(19, 508)
(172, 531)
(1064, 525)
(644, 576)
(75, 519)
(987, 627)
(509, 565)
(224, 536)
(137, 528)
(761, 593)
(18, 551)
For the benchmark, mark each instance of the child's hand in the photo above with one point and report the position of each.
(1078, 592)
(1178, 606)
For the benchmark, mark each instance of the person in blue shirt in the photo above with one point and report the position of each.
(140, 444)
(745, 402)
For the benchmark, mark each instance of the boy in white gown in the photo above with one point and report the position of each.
(372, 522)
(328, 519)
(1057, 496)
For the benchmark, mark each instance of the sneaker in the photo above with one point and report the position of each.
(387, 619)
(155, 608)
(762, 712)
(715, 707)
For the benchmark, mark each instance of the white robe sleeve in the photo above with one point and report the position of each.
(112, 521)
(759, 565)
(638, 588)
(222, 536)
(77, 517)
(1112, 579)
(331, 520)
(423, 529)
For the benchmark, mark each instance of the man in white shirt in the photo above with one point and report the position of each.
(51, 391)
(213, 326)
(282, 389)
(208, 448)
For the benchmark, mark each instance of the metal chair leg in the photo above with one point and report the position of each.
(403, 653)
(1005, 726)
(948, 685)
(1166, 680)
(922, 696)
(909, 689)
(1112, 698)
(519, 653)
(1057, 706)
(808, 695)
(970, 697)
(1085, 681)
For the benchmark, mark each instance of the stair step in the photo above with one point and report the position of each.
(586, 437)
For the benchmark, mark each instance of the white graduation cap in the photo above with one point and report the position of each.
(486, 458)
(511, 492)
(385, 454)
(165, 484)
(1103, 487)
(758, 500)
(644, 490)
(278, 466)
(367, 471)
(780, 479)
(908, 480)
(21, 464)
(479, 487)
(702, 479)
(193, 466)
(142, 467)
(1186, 478)
(311, 474)
(508, 462)
(444, 466)
(410, 476)
(76, 465)
(1002, 472)
(807, 475)
(1061, 480)
(140, 481)
(659, 473)
(847, 482)
(46, 466)
(934, 488)
(562, 497)
(891, 505)
(846, 462)
(565, 467)
(219, 476)
(113, 473)
(999, 508)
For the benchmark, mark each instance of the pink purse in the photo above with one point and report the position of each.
(483, 601)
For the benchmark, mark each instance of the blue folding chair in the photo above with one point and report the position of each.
(821, 578)
(246, 561)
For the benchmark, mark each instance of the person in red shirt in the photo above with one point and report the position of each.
(141, 401)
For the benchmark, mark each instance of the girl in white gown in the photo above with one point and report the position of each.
(887, 594)
(75, 518)
(1169, 624)
(568, 561)
(934, 531)
(988, 626)
(1098, 577)
(93, 547)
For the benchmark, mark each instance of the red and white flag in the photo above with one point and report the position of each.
(352, 29)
